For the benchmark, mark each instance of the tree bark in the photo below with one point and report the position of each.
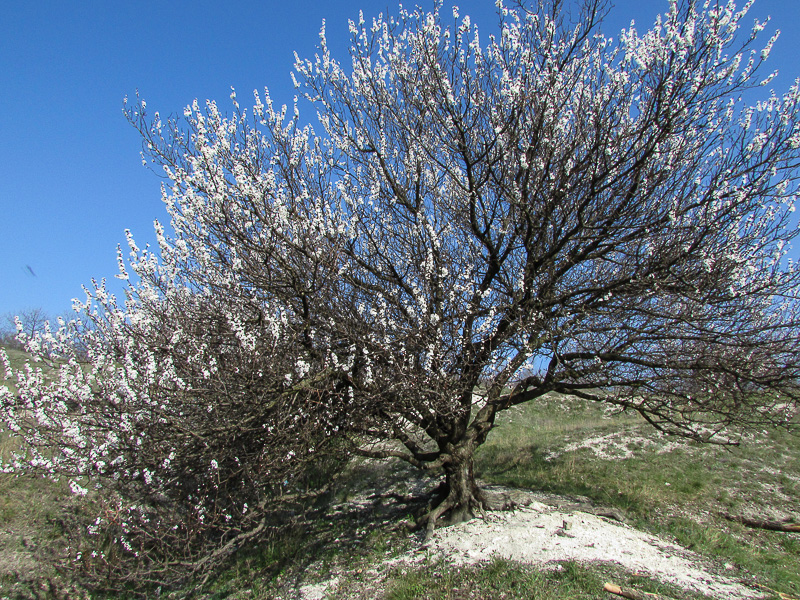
(632, 594)
(460, 497)
(785, 526)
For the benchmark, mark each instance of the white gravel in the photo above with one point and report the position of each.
(618, 445)
(535, 534)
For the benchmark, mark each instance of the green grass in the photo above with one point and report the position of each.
(17, 358)
(502, 579)
(677, 491)
(30, 532)
(31, 510)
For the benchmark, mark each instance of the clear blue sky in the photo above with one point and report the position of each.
(71, 179)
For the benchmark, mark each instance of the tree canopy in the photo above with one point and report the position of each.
(470, 224)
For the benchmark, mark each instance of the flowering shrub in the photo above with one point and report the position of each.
(174, 459)
(475, 225)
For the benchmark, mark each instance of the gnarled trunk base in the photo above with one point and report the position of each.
(458, 499)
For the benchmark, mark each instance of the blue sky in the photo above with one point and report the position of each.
(71, 179)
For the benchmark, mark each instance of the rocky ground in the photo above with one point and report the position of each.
(546, 530)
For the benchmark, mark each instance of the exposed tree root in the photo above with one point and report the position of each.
(449, 506)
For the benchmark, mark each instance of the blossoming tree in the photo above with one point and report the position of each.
(472, 224)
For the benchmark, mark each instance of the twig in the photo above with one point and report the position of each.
(759, 524)
(780, 595)
(632, 594)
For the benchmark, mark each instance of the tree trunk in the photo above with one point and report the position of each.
(460, 497)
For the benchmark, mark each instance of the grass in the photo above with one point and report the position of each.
(679, 493)
(502, 579)
(30, 535)
(31, 510)
(17, 358)
(676, 490)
